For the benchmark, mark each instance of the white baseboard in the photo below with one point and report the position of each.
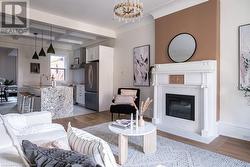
(188, 135)
(230, 130)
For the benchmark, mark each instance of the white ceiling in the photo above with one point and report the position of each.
(96, 16)
(61, 34)
(96, 12)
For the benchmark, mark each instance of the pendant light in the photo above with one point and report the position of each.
(51, 49)
(35, 56)
(42, 53)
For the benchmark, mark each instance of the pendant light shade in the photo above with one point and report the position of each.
(51, 49)
(42, 53)
(35, 55)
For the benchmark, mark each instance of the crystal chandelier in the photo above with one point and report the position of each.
(128, 10)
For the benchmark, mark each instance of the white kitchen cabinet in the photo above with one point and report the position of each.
(81, 54)
(80, 94)
(106, 63)
(92, 54)
(104, 95)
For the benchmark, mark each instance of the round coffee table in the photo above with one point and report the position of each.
(149, 139)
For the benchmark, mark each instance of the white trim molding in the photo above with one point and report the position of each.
(174, 6)
(234, 131)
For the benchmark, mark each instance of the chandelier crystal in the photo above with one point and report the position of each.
(128, 10)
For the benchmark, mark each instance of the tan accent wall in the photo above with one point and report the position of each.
(203, 22)
(176, 79)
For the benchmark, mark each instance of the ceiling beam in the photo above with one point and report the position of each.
(90, 43)
(47, 28)
(70, 41)
(70, 23)
(61, 35)
(39, 36)
(81, 35)
(62, 38)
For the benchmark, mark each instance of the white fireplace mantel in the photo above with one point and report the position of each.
(200, 80)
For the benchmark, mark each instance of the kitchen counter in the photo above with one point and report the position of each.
(58, 100)
(38, 86)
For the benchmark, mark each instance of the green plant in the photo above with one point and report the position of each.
(8, 82)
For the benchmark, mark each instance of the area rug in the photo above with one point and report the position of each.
(169, 153)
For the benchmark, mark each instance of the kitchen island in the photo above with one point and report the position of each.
(58, 100)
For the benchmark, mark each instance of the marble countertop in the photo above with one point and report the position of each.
(58, 100)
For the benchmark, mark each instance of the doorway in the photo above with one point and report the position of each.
(8, 80)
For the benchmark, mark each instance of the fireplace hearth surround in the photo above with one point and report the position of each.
(180, 106)
(200, 83)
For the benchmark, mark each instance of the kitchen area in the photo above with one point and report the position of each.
(91, 77)
(61, 70)
(89, 91)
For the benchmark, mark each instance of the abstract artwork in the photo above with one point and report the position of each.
(141, 65)
(244, 59)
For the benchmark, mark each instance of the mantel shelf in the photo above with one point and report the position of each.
(206, 66)
(181, 72)
(179, 85)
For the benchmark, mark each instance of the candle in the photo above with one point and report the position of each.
(136, 120)
(131, 121)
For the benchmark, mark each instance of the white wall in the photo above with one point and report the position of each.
(25, 52)
(235, 110)
(123, 59)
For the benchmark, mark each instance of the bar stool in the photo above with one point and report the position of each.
(27, 102)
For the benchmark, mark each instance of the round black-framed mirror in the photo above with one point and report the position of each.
(182, 47)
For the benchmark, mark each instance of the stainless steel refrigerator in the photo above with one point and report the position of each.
(92, 86)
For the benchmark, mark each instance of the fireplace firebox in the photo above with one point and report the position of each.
(180, 106)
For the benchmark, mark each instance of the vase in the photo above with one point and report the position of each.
(141, 121)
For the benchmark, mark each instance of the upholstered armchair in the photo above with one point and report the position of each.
(125, 108)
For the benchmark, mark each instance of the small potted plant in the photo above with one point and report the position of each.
(144, 107)
(8, 82)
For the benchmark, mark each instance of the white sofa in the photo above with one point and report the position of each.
(36, 127)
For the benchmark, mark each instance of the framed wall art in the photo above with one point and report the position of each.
(244, 57)
(35, 68)
(76, 60)
(141, 65)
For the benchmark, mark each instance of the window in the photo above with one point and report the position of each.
(57, 67)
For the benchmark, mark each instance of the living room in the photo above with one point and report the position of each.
(207, 78)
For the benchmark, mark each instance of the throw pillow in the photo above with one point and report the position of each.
(86, 143)
(52, 144)
(128, 92)
(124, 99)
(45, 157)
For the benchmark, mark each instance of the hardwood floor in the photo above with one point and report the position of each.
(235, 148)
